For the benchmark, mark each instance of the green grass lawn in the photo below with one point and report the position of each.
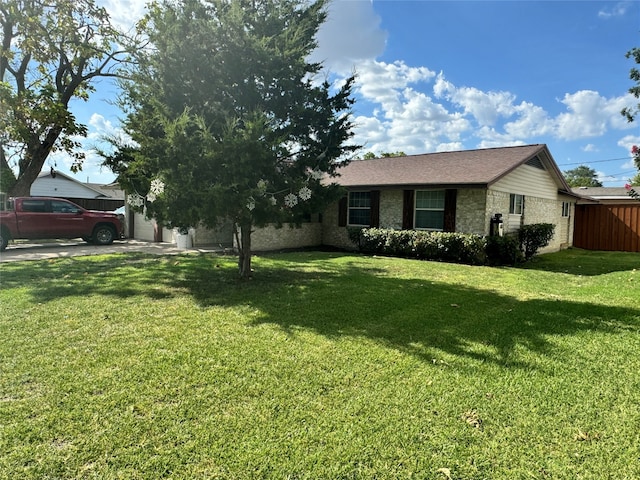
(324, 366)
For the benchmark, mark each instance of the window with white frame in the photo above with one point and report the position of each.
(360, 209)
(566, 209)
(429, 210)
(516, 204)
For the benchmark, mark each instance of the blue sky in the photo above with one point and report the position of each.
(450, 75)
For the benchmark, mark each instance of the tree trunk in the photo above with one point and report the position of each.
(244, 257)
(31, 165)
(22, 187)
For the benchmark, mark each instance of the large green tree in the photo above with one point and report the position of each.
(50, 53)
(582, 176)
(229, 119)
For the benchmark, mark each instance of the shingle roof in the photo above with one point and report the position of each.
(602, 193)
(468, 167)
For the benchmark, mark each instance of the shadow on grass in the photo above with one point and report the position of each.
(575, 261)
(334, 299)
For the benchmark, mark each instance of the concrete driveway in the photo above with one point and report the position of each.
(21, 250)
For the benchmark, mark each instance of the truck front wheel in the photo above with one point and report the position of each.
(103, 235)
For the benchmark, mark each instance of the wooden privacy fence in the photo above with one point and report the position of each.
(607, 227)
(103, 204)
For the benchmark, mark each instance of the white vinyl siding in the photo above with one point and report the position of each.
(529, 181)
(60, 187)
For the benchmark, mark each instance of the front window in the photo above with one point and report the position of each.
(34, 206)
(60, 206)
(566, 209)
(429, 210)
(516, 204)
(360, 209)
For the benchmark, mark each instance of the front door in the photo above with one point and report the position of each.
(67, 220)
(33, 218)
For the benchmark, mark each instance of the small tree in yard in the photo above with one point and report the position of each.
(227, 118)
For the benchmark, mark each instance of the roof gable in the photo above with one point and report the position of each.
(481, 167)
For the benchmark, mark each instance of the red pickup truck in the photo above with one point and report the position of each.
(45, 217)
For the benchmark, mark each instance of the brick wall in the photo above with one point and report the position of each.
(332, 234)
(221, 235)
(391, 209)
(271, 238)
(536, 210)
(542, 210)
(470, 212)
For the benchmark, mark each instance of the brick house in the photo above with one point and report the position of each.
(450, 191)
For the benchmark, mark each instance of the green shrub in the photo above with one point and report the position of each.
(399, 243)
(439, 246)
(454, 247)
(503, 250)
(534, 237)
(425, 246)
(372, 240)
(355, 235)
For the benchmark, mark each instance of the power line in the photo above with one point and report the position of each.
(616, 177)
(595, 161)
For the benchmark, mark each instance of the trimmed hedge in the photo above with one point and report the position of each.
(438, 246)
(453, 247)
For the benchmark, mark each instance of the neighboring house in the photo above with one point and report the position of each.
(88, 195)
(604, 196)
(450, 191)
(607, 218)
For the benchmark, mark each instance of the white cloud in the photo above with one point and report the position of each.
(617, 10)
(101, 127)
(351, 34)
(383, 83)
(629, 141)
(532, 121)
(590, 115)
(589, 147)
(408, 119)
(485, 107)
(124, 14)
(404, 118)
(450, 147)
(490, 138)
